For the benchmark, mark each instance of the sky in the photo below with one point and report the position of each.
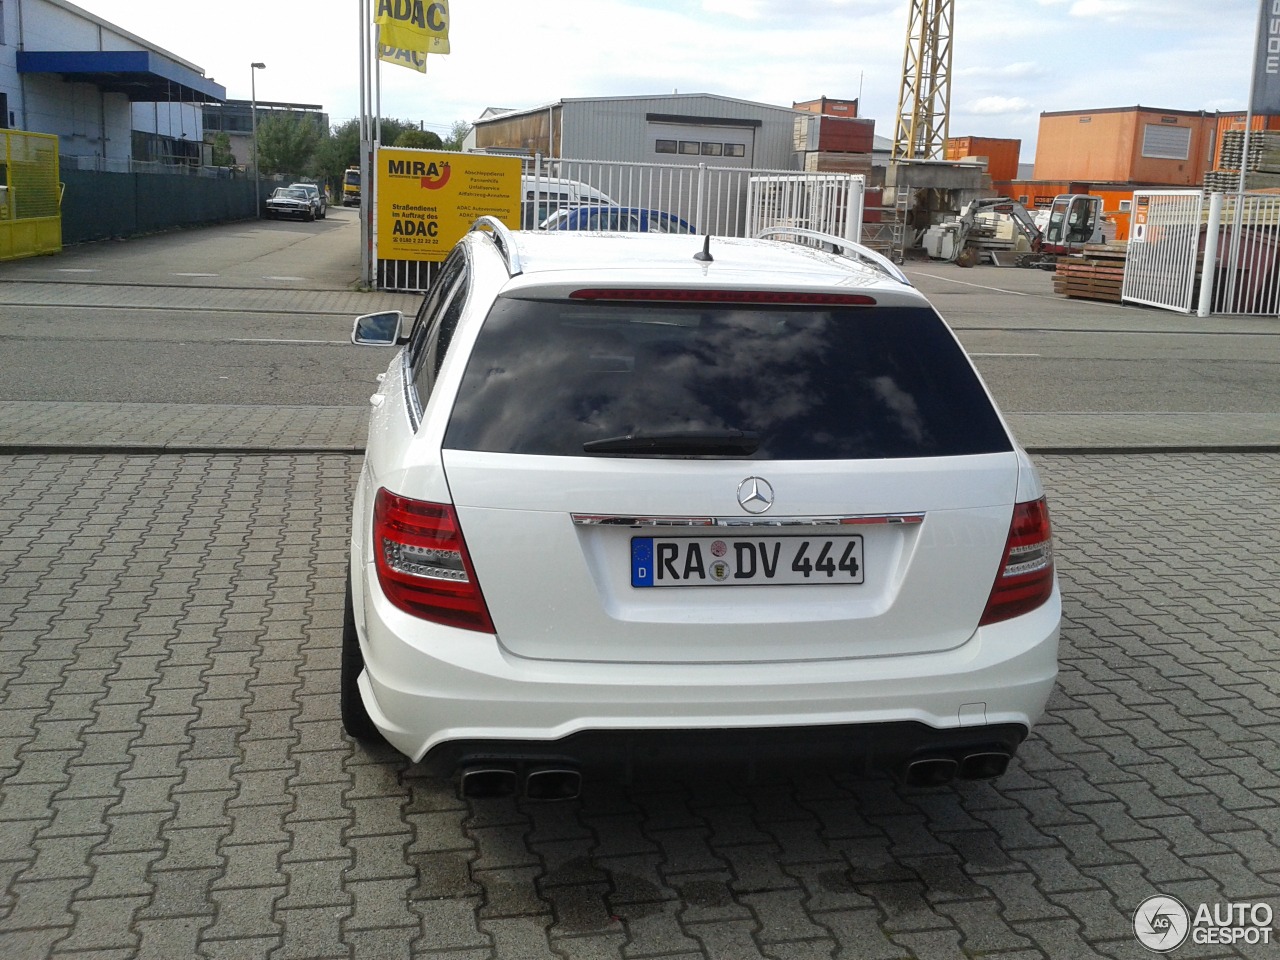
(1012, 59)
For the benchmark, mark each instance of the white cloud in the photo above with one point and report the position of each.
(743, 9)
(1005, 71)
(997, 106)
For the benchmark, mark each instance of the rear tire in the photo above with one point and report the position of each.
(355, 718)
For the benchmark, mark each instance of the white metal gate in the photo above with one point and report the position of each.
(1244, 264)
(722, 201)
(829, 203)
(1164, 244)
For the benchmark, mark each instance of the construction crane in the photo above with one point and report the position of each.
(924, 99)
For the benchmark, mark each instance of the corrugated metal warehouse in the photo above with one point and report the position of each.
(687, 128)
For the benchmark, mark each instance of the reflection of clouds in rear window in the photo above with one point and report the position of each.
(902, 404)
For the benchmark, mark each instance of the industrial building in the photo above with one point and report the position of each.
(687, 128)
(108, 95)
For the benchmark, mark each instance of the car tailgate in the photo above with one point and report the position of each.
(555, 557)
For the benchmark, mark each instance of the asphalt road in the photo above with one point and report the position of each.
(260, 313)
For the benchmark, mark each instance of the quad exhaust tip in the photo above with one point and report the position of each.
(492, 781)
(984, 766)
(939, 771)
(486, 783)
(934, 772)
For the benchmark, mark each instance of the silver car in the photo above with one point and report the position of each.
(318, 198)
(291, 202)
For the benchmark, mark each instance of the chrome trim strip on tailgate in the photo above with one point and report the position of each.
(608, 520)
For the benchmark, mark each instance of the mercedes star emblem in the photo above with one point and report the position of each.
(755, 495)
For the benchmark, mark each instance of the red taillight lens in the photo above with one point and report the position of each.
(422, 562)
(1025, 580)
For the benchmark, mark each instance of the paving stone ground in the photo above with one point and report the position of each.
(174, 782)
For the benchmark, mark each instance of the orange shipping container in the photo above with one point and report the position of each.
(1173, 148)
(834, 134)
(1002, 155)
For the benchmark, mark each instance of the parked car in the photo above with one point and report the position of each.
(291, 202)
(643, 495)
(318, 198)
(543, 196)
(608, 218)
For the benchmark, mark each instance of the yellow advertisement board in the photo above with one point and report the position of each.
(428, 199)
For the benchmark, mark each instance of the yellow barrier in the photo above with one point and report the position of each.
(30, 196)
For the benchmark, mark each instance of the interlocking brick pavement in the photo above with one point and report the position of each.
(174, 782)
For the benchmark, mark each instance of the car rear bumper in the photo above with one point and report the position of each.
(456, 695)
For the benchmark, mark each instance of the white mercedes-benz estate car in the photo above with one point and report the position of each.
(634, 496)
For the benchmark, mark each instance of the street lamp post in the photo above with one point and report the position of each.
(253, 122)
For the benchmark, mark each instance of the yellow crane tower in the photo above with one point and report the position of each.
(924, 99)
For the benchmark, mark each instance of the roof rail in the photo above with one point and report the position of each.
(877, 260)
(504, 240)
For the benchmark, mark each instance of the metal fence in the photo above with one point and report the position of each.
(1245, 267)
(124, 165)
(722, 201)
(1164, 241)
(1226, 244)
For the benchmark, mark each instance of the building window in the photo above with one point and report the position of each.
(690, 148)
(665, 146)
(712, 149)
(1166, 143)
(1126, 206)
(735, 149)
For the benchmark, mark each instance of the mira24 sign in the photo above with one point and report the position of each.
(427, 199)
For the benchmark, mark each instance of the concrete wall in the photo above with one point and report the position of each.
(98, 206)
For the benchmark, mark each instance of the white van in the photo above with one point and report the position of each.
(543, 196)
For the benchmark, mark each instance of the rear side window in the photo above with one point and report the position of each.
(813, 383)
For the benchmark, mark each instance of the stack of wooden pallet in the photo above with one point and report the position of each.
(1261, 164)
(1096, 274)
(1263, 154)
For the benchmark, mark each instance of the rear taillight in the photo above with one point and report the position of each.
(1025, 580)
(422, 562)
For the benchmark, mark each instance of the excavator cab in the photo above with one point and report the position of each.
(1074, 220)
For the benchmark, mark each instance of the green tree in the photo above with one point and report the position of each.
(221, 155)
(286, 144)
(457, 133)
(420, 139)
(337, 150)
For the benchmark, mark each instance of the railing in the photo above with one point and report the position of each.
(722, 201)
(112, 165)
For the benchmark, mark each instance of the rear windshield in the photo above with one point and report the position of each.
(810, 383)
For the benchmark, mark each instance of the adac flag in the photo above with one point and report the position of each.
(421, 25)
(413, 59)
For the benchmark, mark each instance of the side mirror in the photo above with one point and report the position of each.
(378, 329)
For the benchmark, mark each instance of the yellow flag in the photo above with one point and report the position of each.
(421, 25)
(413, 59)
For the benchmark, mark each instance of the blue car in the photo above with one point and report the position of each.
(616, 220)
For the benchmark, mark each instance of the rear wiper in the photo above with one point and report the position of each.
(687, 442)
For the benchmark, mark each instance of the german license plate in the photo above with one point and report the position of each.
(745, 561)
